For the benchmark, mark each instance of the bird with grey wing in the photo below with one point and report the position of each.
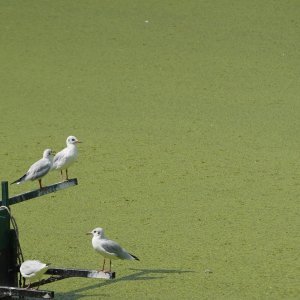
(33, 270)
(108, 248)
(66, 157)
(39, 169)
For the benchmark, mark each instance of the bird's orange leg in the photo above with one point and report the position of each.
(102, 266)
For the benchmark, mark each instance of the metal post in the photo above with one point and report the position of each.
(4, 238)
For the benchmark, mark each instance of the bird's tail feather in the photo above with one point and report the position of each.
(136, 258)
(19, 180)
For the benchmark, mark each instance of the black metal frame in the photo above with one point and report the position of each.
(9, 273)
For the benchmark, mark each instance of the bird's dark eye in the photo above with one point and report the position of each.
(94, 231)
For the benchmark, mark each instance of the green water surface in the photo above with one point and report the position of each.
(189, 116)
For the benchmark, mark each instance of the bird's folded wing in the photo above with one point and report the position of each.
(38, 169)
(30, 269)
(112, 247)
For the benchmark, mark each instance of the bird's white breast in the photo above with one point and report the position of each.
(65, 158)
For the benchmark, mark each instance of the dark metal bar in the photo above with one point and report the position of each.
(4, 186)
(45, 190)
(46, 281)
(67, 272)
(8, 291)
(62, 273)
(5, 245)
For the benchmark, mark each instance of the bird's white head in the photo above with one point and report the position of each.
(48, 153)
(97, 232)
(72, 140)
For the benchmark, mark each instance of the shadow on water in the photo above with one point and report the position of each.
(140, 274)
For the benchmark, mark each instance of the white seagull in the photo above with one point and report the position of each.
(39, 169)
(108, 248)
(64, 158)
(33, 270)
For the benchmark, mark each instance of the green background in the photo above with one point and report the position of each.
(189, 116)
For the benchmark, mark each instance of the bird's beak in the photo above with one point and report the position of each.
(78, 142)
(88, 233)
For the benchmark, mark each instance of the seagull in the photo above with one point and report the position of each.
(64, 158)
(33, 270)
(108, 248)
(39, 169)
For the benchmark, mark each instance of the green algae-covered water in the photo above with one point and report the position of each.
(189, 116)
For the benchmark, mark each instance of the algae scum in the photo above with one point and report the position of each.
(188, 113)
